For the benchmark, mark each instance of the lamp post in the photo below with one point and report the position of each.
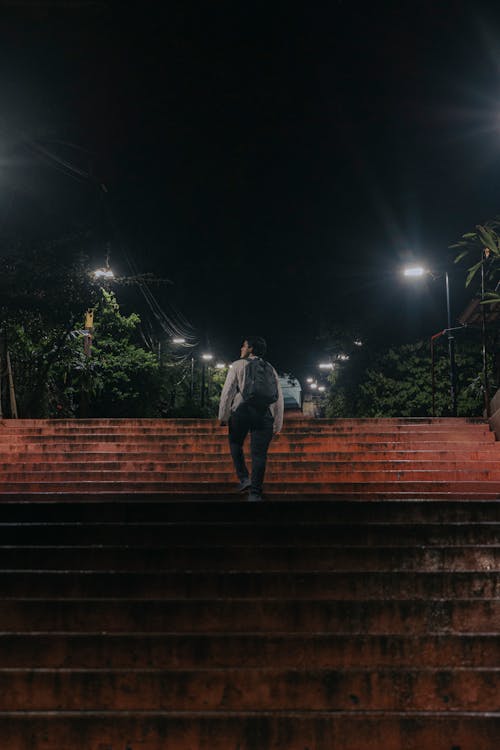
(418, 272)
(485, 254)
(205, 359)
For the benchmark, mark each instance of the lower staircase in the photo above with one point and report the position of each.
(150, 620)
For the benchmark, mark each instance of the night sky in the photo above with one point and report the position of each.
(279, 162)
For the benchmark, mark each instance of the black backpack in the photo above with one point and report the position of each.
(261, 387)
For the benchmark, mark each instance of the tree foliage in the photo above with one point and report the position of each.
(397, 382)
(45, 292)
(122, 376)
(482, 247)
(42, 291)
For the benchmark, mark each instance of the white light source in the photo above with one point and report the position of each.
(357, 342)
(103, 273)
(321, 388)
(309, 380)
(314, 385)
(414, 271)
(343, 357)
(207, 357)
(178, 341)
(220, 365)
(326, 366)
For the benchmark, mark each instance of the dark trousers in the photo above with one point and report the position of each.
(246, 418)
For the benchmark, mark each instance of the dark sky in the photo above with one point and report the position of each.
(279, 162)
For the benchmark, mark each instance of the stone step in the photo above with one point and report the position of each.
(76, 421)
(306, 510)
(250, 689)
(113, 730)
(489, 455)
(220, 464)
(210, 425)
(251, 615)
(263, 584)
(479, 434)
(281, 650)
(328, 474)
(237, 558)
(259, 534)
(365, 490)
(326, 438)
(26, 450)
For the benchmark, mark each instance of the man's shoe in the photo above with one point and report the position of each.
(244, 484)
(255, 497)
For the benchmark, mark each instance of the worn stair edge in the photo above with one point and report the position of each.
(249, 731)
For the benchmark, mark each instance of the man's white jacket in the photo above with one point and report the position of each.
(231, 396)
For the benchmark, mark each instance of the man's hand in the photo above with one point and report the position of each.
(276, 435)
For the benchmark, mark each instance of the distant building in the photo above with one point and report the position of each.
(292, 392)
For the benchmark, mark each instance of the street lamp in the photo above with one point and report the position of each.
(419, 272)
(103, 273)
(414, 271)
(205, 359)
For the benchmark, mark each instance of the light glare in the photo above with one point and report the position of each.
(414, 271)
(103, 273)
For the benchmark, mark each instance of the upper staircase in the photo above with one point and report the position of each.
(369, 458)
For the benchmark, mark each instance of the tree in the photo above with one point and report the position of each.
(45, 293)
(43, 290)
(483, 247)
(122, 377)
(397, 382)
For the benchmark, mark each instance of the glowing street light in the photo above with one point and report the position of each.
(321, 388)
(220, 365)
(326, 366)
(414, 271)
(178, 341)
(309, 380)
(207, 357)
(314, 385)
(343, 357)
(103, 273)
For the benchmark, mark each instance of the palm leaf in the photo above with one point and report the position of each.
(472, 272)
(461, 255)
(489, 239)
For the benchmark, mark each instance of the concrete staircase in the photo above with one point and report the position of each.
(378, 458)
(165, 622)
